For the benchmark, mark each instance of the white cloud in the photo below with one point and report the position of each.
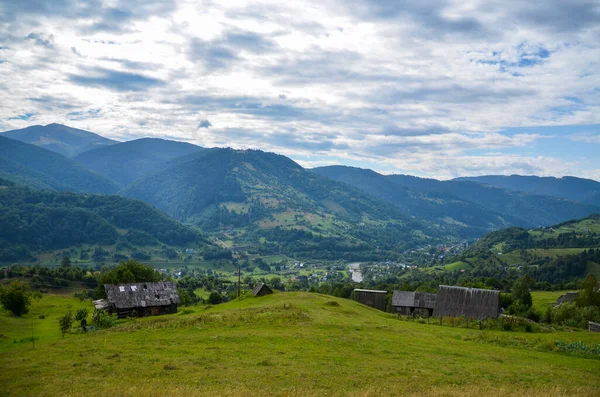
(398, 82)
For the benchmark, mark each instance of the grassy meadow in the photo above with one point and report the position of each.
(289, 344)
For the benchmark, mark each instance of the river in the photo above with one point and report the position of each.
(354, 268)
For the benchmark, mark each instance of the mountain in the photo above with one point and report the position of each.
(36, 221)
(40, 168)
(125, 162)
(471, 219)
(568, 187)
(59, 138)
(472, 204)
(269, 202)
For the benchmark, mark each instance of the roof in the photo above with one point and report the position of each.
(424, 300)
(101, 304)
(370, 290)
(259, 287)
(162, 293)
(467, 302)
(403, 298)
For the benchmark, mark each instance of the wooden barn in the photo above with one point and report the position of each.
(471, 303)
(371, 298)
(261, 290)
(409, 303)
(146, 299)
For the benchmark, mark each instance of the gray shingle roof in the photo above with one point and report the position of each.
(162, 293)
(468, 302)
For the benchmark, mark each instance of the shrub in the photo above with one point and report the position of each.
(16, 298)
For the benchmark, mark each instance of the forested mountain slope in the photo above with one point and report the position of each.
(125, 162)
(41, 168)
(470, 203)
(569, 187)
(265, 193)
(36, 220)
(471, 219)
(59, 138)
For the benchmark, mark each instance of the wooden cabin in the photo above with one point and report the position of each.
(261, 290)
(410, 303)
(140, 299)
(370, 297)
(471, 303)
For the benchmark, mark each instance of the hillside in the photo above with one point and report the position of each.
(565, 251)
(40, 168)
(517, 208)
(125, 162)
(568, 187)
(470, 219)
(59, 138)
(252, 195)
(288, 344)
(36, 221)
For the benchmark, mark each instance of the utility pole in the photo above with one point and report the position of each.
(239, 278)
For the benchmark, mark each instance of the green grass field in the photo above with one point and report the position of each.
(542, 299)
(291, 344)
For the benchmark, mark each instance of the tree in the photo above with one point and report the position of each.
(130, 271)
(37, 295)
(522, 290)
(65, 262)
(590, 295)
(65, 322)
(215, 298)
(16, 298)
(81, 316)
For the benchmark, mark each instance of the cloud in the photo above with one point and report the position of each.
(205, 124)
(433, 88)
(41, 40)
(116, 80)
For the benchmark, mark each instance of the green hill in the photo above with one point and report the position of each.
(59, 138)
(35, 221)
(271, 203)
(287, 344)
(40, 168)
(565, 251)
(125, 162)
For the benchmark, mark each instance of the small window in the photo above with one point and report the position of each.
(122, 289)
(134, 288)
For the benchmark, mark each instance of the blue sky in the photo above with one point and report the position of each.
(436, 88)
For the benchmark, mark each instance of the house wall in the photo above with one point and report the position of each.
(369, 298)
(145, 311)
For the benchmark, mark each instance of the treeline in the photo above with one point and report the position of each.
(36, 220)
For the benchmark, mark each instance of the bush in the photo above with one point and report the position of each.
(16, 298)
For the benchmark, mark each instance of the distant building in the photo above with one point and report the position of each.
(373, 298)
(261, 290)
(473, 303)
(146, 299)
(566, 298)
(408, 302)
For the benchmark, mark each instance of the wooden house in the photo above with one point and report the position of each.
(409, 303)
(261, 290)
(145, 299)
(471, 303)
(371, 298)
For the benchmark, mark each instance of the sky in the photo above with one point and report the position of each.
(434, 88)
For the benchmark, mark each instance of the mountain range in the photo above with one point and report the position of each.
(267, 203)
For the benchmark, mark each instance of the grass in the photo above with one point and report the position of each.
(51, 307)
(454, 266)
(298, 344)
(542, 299)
